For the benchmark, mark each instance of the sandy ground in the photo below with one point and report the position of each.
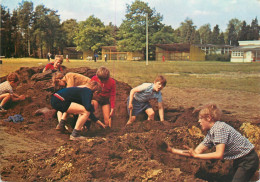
(34, 151)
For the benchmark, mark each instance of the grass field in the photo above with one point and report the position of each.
(218, 75)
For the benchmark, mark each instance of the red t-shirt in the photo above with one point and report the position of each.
(108, 89)
(50, 66)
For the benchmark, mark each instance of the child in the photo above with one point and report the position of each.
(139, 97)
(107, 96)
(6, 91)
(230, 145)
(56, 65)
(76, 100)
(69, 80)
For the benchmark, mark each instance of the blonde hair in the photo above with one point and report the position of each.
(211, 110)
(56, 77)
(13, 77)
(103, 73)
(60, 57)
(161, 79)
(94, 86)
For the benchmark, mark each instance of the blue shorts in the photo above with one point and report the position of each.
(138, 106)
(59, 105)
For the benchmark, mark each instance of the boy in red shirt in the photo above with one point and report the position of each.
(107, 96)
(56, 65)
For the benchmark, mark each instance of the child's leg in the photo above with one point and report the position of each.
(59, 115)
(5, 98)
(106, 114)
(83, 114)
(150, 113)
(95, 104)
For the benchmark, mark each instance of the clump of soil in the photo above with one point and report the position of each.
(34, 151)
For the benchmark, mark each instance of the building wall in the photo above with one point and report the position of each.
(196, 54)
(241, 57)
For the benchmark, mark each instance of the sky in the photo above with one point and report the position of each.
(201, 12)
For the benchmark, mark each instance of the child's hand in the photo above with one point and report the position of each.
(22, 97)
(130, 106)
(111, 113)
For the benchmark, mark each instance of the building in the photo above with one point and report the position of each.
(247, 51)
(178, 52)
(215, 49)
(113, 54)
(74, 54)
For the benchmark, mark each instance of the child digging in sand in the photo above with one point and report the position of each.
(6, 91)
(138, 100)
(229, 143)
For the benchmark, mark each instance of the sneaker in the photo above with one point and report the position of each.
(60, 128)
(77, 137)
(2, 109)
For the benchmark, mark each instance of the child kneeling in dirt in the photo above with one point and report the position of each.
(6, 91)
(229, 143)
(106, 98)
(139, 97)
(76, 100)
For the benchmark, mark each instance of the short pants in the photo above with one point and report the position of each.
(59, 105)
(138, 107)
(101, 100)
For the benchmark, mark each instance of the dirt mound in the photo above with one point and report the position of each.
(34, 151)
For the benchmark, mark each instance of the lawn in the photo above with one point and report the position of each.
(209, 74)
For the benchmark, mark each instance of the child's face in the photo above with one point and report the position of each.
(57, 63)
(158, 86)
(14, 84)
(204, 123)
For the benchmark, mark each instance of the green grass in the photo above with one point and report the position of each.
(218, 75)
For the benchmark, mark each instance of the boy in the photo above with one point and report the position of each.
(139, 97)
(106, 98)
(6, 91)
(56, 65)
(229, 143)
(76, 100)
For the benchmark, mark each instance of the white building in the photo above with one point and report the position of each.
(247, 51)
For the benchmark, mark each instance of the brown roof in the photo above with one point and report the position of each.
(174, 47)
(111, 48)
(72, 50)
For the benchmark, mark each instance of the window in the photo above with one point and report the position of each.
(237, 53)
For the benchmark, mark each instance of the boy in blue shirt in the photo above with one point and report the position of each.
(139, 97)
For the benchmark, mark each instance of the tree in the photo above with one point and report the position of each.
(25, 12)
(70, 28)
(205, 34)
(234, 27)
(215, 35)
(244, 32)
(16, 35)
(5, 32)
(164, 36)
(221, 39)
(187, 30)
(254, 30)
(132, 31)
(48, 36)
(92, 34)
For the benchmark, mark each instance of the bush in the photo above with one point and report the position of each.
(218, 57)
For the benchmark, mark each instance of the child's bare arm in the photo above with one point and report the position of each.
(131, 96)
(161, 111)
